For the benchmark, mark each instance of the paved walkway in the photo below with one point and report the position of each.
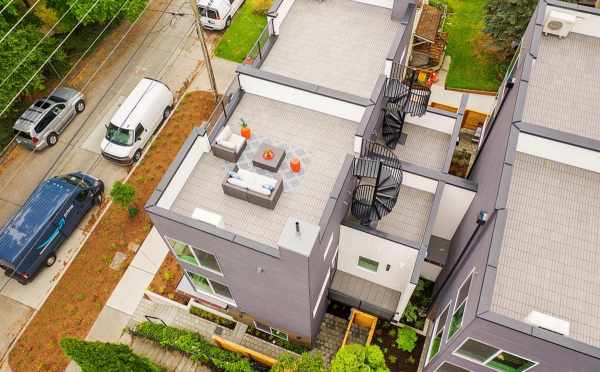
(330, 337)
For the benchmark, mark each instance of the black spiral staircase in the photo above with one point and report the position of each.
(404, 95)
(380, 176)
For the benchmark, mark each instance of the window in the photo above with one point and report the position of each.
(271, 331)
(211, 287)
(447, 367)
(438, 334)
(368, 264)
(459, 307)
(47, 119)
(322, 292)
(195, 256)
(492, 357)
(138, 131)
(119, 136)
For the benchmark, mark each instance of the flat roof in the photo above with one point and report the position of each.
(423, 146)
(321, 142)
(408, 219)
(338, 44)
(549, 257)
(564, 85)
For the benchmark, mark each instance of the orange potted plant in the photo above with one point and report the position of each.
(245, 130)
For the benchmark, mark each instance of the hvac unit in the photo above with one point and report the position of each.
(559, 23)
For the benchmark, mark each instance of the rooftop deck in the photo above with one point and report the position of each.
(409, 217)
(338, 44)
(566, 99)
(549, 258)
(321, 141)
(425, 147)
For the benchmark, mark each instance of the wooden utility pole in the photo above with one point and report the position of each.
(200, 33)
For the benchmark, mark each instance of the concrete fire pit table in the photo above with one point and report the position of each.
(272, 164)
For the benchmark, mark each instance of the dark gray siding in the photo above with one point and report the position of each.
(277, 295)
(551, 357)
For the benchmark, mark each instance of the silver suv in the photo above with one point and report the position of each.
(40, 125)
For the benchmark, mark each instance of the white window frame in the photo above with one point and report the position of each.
(335, 254)
(270, 332)
(192, 248)
(498, 352)
(214, 294)
(320, 298)
(457, 305)
(452, 364)
(328, 246)
(364, 268)
(435, 330)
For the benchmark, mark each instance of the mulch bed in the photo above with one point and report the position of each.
(78, 298)
(397, 360)
(167, 278)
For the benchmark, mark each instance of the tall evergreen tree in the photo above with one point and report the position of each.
(506, 20)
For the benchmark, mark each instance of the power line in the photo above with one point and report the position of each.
(39, 42)
(19, 21)
(87, 83)
(58, 85)
(48, 59)
(6, 6)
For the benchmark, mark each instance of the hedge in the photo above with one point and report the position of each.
(193, 345)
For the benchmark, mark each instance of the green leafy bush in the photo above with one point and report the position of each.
(406, 339)
(193, 345)
(122, 194)
(305, 363)
(291, 346)
(212, 317)
(359, 358)
(103, 356)
(416, 310)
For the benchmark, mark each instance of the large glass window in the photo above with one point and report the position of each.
(183, 252)
(438, 334)
(203, 284)
(459, 307)
(194, 256)
(368, 264)
(447, 367)
(492, 357)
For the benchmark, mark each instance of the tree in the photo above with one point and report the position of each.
(305, 363)
(359, 358)
(506, 20)
(103, 356)
(123, 194)
(102, 10)
(406, 339)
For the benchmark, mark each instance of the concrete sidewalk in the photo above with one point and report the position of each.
(126, 297)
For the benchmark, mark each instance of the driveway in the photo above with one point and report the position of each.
(160, 46)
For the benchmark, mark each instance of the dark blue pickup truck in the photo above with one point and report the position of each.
(52, 212)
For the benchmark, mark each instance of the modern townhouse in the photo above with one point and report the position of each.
(342, 190)
(520, 289)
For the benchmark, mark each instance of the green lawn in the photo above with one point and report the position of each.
(241, 34)
(471, 67)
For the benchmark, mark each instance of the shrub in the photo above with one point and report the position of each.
(359, 358)
(406, 339)
(213, 317)
(305, 363)
(193, 345)
(103, 356)
(122, 194)
(260, 7)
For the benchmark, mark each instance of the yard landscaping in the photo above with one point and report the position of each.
(241, 34)
(397, 360)
(167, 278)
(474, 65)
(78, 298)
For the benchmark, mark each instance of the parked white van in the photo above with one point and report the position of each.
(138, 117)
(217, 14)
